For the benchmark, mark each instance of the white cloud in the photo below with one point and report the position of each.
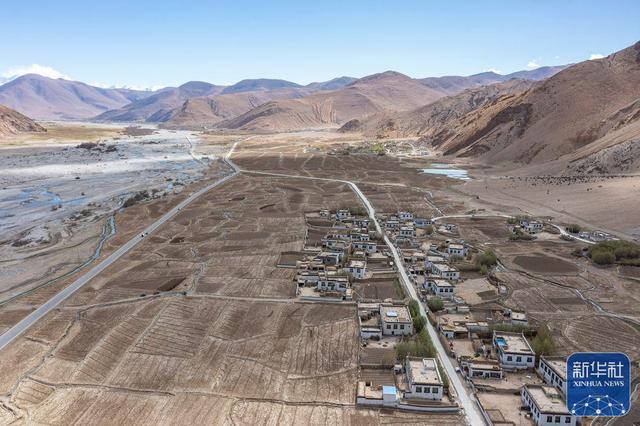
(45, 71)
(493, 70)
(596, 56)
(127, 86)
(533, 64)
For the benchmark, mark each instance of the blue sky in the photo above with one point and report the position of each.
(155, 43)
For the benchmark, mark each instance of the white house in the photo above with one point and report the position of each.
(513, 351)
(392, 224)
(407, 232)
(368, 246)
(325, 213)
(360, 221)
(553, 370)
(441, 288)
(519, 318)
(546, 405)
(531, 226)
(326, 283)
(445, 271)
(343, 214)
(328, 258)
(396, 321)
(457, 250)
(430, 260)
(484, 369)
(421, 222)
(357, 268)
(360, 236)
(404, 216)
(423, 379)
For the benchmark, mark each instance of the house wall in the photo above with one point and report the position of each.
(545, 419)
(550, 377)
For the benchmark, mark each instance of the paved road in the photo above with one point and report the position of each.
(466, 401)
(52, 303)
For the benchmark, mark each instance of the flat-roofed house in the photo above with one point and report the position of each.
(392, 224)
(457, 250)
(343, 214)
(333, 283)
(546, 405)
(328, 258)
(445, 271)
(405, 216)
(407, 232)
(368, 246)
(420, 222)
(430, 260)
(553, 370)
(513, 351)
(531, 226)
(484, 369)
(519, 318)
(423, 379)
(441, 288)
(357, 268)
(396, 321)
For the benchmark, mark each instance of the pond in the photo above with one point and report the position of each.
(446, 170)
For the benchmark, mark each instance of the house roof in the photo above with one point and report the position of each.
(557, 364)
(547, 399)
(514, 342)
(424, 371)
(395, 314)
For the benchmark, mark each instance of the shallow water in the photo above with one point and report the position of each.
(445, 170)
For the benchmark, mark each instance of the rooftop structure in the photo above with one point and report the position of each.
(546, 405)
(423, 371)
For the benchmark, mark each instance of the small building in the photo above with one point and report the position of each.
(519, 318)
(396, 321)
(325, 213)
(407, 232)
(423, 379)
(360, 236)
(392, 224)
(343, 214)
(360, 221)
(451, 227)
(441, 288)
(553, 370)
(430, 260)
(445, 271)
(546, 405)
(531, 226)
(484, 369)
(357, 268)
(457, 250)
(328, 258)
(513, 351)
(367, 246)
(405, 216)
(328, 283)
(420, 222)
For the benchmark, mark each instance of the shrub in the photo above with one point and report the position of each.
(414, 308)
(435, 304)
(542, 344)
(573, 228)
(603, 257)
(488, 259)
(428, 229)
(420, 346)
(418, 323)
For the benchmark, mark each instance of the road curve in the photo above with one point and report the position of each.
(52, 303)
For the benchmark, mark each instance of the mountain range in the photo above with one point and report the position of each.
(583, 117)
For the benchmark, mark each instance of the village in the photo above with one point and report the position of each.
(345, 260)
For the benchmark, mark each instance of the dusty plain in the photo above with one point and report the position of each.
(198, 325)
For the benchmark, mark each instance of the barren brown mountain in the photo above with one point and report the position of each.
(436, 117)
(45, 98)
(388, 91)
(452, 85)
(584, 118)
(12, 122)
(161, 103)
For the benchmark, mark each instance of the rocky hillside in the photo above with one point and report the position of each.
(12, 122)
(432, 119)
(584, 114)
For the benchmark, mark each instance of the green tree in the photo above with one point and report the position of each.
(542, 344)
(435, 304)
(418, 323)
